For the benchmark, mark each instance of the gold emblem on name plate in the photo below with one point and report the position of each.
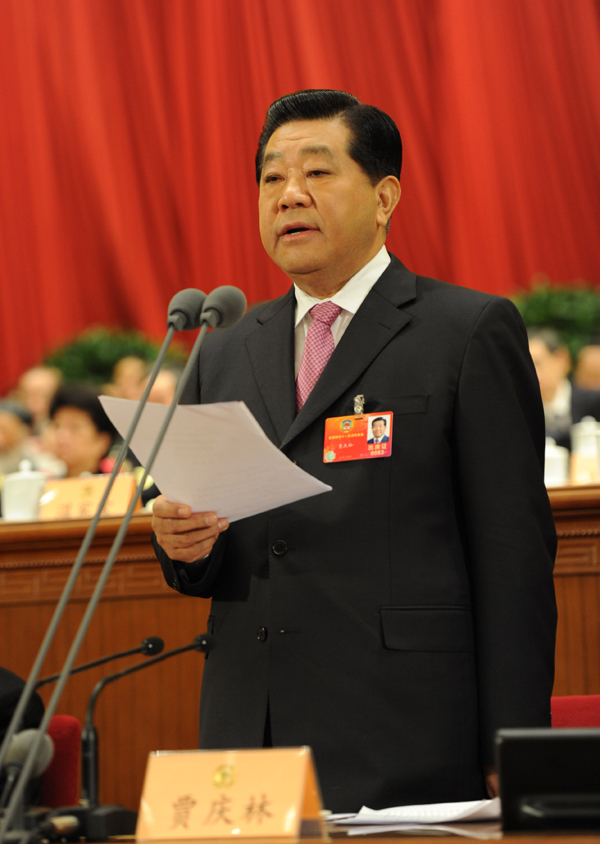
(224, 776)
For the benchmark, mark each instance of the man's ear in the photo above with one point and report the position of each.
(388, 196)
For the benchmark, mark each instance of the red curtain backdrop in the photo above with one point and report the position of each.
(128, 130)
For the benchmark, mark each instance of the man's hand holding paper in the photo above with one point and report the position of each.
(184, 535)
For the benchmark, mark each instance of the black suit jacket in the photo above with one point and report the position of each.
(394, 623)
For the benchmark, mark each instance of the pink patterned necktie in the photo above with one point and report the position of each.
(318, 348)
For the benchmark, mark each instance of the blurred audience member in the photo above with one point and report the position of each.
(587, 369)
(128, 378)
(163, 389)
(15, 428)
(35, 390)
(564, 402)
(81, 433)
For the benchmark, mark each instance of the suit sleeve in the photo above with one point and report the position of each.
(194, 579)
(508, 524)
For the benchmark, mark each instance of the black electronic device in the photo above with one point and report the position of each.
(549, 778)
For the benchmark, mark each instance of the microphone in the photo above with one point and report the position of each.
(16, 755)
(191, 304)
(89, 737)
(228, 313)
(150, 647)
(224, 306)
(96, 822)
(185, 309)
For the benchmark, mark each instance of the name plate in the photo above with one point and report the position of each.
(78, 498)
(214, 794)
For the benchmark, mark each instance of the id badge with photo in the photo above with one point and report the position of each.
(358, 437)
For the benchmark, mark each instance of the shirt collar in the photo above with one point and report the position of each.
(353, 293)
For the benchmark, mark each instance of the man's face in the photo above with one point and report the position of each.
(378, 428)
(36, 388)
(320, 216)
(551, 367)
(587, 374)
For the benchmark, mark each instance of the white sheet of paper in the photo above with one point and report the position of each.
(214, 457)
(492, 830)
(428, 813)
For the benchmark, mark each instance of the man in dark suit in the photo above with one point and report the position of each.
(394, 623)
(378, 427)
(565, 403)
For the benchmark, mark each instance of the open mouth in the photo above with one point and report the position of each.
(297, 230)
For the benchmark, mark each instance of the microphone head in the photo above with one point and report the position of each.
(224, 306)
(19, 748)
(185, 309)
(204, 643)
(152, 646)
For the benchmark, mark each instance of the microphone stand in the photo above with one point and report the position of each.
(89, 735)
(184, 313)
(94, 821)
(211, 318)
(173, 323)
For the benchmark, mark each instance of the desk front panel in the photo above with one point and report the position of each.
(158, 708)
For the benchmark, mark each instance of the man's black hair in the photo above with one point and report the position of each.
(378, 419)
(375, 146)
(549, 336)
(84, 398)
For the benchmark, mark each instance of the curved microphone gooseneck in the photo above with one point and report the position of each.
(89, 735)
(151, 646)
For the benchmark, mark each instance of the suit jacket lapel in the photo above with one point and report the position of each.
(271, 351)
(375, 323)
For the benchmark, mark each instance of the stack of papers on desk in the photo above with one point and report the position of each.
(214, 457)
(433, 816)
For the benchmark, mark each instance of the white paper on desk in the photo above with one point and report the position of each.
(428, 813)
(214, 457)
(480, 831)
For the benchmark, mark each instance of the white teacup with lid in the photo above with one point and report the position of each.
(556, 464)
(21, 493)
(584, 451)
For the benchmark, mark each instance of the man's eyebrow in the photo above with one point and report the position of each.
(271, 156)
(318, 149)
(314, 149)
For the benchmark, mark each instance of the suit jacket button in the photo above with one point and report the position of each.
(261, 634)
(279, 548)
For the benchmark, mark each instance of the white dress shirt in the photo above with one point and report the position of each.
(349, 298)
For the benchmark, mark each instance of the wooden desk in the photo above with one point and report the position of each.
(158, 708)
(153, 709)
(577, 581)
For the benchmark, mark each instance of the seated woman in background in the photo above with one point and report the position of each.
(80, 433)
